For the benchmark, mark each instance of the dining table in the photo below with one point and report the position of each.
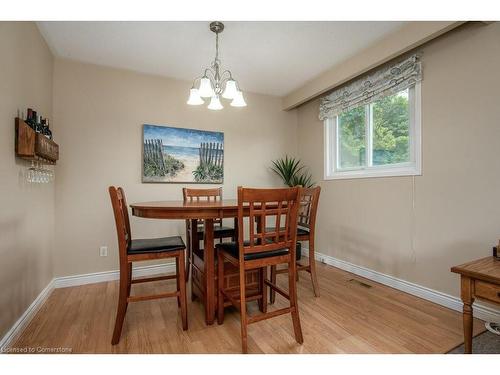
(194, 210)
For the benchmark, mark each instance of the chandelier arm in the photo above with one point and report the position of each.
(228, 72)
(195, 80)
(209, 73)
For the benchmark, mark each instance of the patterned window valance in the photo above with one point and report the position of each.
(385, 81)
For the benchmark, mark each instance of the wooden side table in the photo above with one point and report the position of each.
(479, 279)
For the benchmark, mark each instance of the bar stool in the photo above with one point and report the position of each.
(305, 232)
(264, 248)
(140, 250)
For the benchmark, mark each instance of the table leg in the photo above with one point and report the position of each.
(467, 299)
(193, 245)
(209, 272)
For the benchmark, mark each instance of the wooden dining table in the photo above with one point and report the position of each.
(193, 210)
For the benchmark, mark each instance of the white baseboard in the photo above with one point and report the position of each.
(480, 311)
(99, 277)
(24, 320)
(66, 281)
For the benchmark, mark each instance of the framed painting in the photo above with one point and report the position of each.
(178, 155)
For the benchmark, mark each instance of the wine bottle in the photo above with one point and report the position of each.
(29, 118)
(34, 118)
(49, 132)
(43, 127)
(38, 124)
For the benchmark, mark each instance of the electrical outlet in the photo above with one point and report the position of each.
(103, 251)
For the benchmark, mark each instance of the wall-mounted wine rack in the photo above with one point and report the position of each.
(34, 146)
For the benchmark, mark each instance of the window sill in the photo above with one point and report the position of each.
(371, 173)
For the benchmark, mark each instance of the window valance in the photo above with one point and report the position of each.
(384, 81)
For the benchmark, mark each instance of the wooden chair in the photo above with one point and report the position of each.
(220, 231)
(264, 248)
(139, 250)
(305, 232)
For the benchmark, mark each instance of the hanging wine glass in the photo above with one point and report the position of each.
(31, 172)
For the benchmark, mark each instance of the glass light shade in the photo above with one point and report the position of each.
(194, 97)
(231, 89)
(205, 89)
(215, 103)
(238, 100)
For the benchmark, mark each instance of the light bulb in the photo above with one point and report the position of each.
(238, 100)
(194, 97)
(215, 103)
(205, 89)
(231, 89)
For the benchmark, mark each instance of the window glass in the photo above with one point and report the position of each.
(352, 138)
(391, 129)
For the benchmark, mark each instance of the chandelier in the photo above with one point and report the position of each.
(216, 82)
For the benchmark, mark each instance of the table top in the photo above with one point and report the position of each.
(163, 205)
(487, 269)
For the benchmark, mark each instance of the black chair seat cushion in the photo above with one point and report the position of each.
(219, 232)
(156, 245)
(300, 231)
(233, 250)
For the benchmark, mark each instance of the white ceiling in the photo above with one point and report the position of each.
(265, 57)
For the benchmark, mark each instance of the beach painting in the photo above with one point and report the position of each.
(178, 155)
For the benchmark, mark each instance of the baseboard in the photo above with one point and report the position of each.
(99, 277)
(480, 311)
(24, 320)
(66, 281)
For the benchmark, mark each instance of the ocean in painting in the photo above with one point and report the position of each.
(182, 155)
(179, 151)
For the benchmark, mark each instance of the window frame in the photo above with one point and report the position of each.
(411, 168)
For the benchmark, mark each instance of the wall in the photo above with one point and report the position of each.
(99, 114)
(27, 210)
(371, 222)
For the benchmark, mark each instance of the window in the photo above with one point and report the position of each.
(381, 138)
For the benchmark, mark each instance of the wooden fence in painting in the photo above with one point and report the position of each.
(153, 154)
(211, 153)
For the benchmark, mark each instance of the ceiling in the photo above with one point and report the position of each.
(265, 57)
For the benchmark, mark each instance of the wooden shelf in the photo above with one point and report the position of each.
(33, 146)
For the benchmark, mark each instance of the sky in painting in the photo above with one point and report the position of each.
(180, 136)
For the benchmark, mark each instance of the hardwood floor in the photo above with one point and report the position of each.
(347, 318)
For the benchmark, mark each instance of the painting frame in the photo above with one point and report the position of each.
(176, 155)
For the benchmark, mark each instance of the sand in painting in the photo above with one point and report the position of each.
(189, 156)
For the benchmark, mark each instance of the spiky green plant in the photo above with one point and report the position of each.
(287, 168)
(304, 179)
(291, 172)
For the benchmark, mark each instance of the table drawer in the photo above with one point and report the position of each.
(487, 291)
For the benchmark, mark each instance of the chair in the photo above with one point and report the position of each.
(263, 248)
(220, 231)
(305, 232)
(139, 250)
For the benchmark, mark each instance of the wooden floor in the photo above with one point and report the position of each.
(347, 318)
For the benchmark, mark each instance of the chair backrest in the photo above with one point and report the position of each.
(197, 195)
(122, 221)
(280, 205)
(203, 195)
(308, 207)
